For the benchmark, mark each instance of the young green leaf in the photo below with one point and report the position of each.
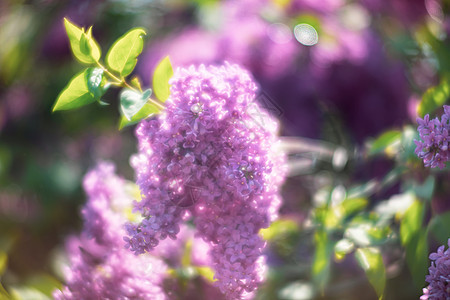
(75, 94)
(414, 239)
(440, 227)
(122, 57)
(146, 111)
(96, 82)
(132, 101)
(371, 262)
(163, 72)
(435, 97)
(384, 141)
(83, 45)
(321, 261)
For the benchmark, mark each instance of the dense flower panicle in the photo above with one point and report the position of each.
(212, 155)
(439, 277)
(100, 268)
(433, 147)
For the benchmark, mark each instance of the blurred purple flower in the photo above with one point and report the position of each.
(205, 154)
(439, 276)
(100, 267)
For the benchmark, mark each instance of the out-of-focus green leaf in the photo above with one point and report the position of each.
(83, 45)
(28, 293)
(96, 82)
(322, 258)
(342, 248)
(75, 94)
(384, 141)
(122, 57)
(411, 222)
(371, 262)
(435, 97)
(44, 283)
(206, 272)
(163, 72)
(395, 206)
(278, 228)
(414, 239)
(367, 233)
(422, 190)
(3, 262)
(132, 101)
(3, 293)
(297, 291)
(353, 205)
(440, 227)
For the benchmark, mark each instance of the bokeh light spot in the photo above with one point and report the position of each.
(306, 34)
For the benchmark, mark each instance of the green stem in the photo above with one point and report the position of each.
(122, 82)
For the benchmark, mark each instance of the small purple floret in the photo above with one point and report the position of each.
(433, 146)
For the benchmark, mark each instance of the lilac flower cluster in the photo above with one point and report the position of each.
(439, 277)
(208, 158)
(433, 148)
(100, 268)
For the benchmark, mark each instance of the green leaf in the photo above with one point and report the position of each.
(146, 111)
(83, 45)
(27, 293)
(44, 283)
(414, 239)
(163, 72)
(96, 82)
(75, 94)
(279, 228)
(321, 261)
(435, 97)
(342, 248)
(371, 262)
(132, 101)
(411, 222)
(122, 57)
(3, 262)
(384, 141)
(353, 205)
(3, 293)
(440, 227)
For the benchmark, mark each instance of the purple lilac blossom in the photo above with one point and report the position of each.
(439, 276)
(434, 134)
(207, 155)
(100, 267)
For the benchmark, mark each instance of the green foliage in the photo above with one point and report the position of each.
(148, 110)
(75, 94)
(278, 228)
(321, 261)
(83, 45)
(371, 262)
(122, 57)
(342, 248)
(163, 72)
(131, 102)
(435, 97)
(439, 226)
(96, 82)
(414, 239)
(384, 141)
(3, 262)
(3, 293)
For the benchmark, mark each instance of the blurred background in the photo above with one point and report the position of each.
(337, 74)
